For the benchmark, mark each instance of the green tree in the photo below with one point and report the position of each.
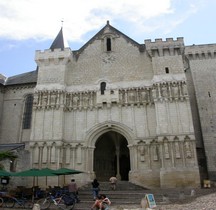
(6, 155)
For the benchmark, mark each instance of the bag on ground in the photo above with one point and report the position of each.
(68, 200)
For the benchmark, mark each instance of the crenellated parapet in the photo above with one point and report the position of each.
(200, 52)
(161, 48)
(56, 56)
(92, 99)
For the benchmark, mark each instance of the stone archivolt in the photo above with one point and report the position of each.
(137, 96)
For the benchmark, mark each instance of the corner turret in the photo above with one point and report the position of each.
(53, 64)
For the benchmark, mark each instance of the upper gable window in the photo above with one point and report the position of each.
(108, 44)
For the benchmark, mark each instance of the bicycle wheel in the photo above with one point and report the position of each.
(9, 202)
(44, 203)
(1, 201)
(28, 204)
(61, 205)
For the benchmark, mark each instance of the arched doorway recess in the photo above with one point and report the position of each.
(111, 156)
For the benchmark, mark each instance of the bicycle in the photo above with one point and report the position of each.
(9, 201)
(60, 202)
(1, 202)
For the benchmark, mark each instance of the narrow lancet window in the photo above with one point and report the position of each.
(27, 112)
(108, 44)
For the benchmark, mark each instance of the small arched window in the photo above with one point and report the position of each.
(108, 44)
(102, 87)
(27, 115)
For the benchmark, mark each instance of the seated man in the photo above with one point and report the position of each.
(105, 202)
(101, 203)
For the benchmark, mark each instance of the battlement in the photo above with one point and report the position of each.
(163, 48)
(168, 40)
(206, 51)
(52, 54)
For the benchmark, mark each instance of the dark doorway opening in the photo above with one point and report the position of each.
(111, 157)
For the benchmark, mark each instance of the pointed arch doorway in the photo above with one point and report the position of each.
(111, 157)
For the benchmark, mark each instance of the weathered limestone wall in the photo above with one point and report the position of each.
(125, 64)
(173, 113)
(12, 115)
(202, 60)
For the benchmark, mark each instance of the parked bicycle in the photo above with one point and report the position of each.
(1, 202)
(10, 201)
(64, 202)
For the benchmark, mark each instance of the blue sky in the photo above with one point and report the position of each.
(30, 25)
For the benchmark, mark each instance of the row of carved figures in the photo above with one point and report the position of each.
(179, 149)
(129, 96)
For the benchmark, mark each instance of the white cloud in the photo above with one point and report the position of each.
(41, 19)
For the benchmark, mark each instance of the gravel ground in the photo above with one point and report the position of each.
(206, 202)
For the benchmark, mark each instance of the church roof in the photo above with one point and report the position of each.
(25, 78)
(9, 147)
(59, 41)
(112, 30)
(1, 81)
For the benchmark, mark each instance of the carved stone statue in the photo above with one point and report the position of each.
(184, 90)
(166, 150)
(164, 92)
(188, 150)
(175, 90)
(154, 93)
(131, 97)
(142, 152)
(75, 101)
(177, 150)
(143, 96)
(155, 152)
(85, 100)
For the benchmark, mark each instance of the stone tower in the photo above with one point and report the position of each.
(202, 71)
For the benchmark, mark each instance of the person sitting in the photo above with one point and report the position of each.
(105, 202)
(101, 203)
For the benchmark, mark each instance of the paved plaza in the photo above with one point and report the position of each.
(205, 202)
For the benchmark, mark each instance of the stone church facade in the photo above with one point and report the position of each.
(142, 112)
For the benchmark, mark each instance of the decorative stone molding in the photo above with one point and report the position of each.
(142, 96)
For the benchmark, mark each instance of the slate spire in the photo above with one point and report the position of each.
(59, 41)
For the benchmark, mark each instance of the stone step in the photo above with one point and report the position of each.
(121, 185)
(128, 194)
